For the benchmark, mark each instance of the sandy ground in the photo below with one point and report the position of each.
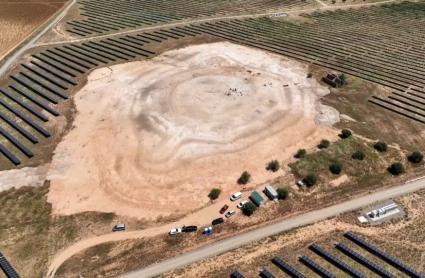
(152, 138)
(28, 176)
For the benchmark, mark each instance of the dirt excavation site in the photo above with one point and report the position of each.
(152, 138)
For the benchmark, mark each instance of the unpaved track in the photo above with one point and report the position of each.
(273, 229)
(323, 7)
(233, 242)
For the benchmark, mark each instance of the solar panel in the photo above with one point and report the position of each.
(288, 269)
(236, 274)
(266, 274)
(362, 260)
(387, 258)
(7, 267)
(336, 261)
(316, 267)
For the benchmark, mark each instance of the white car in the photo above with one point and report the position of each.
(229, 213)
(241, 204)
(175, 231)
(236, 196)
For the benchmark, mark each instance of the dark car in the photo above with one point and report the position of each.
(188, 229)
(217, 221)
(224, 208)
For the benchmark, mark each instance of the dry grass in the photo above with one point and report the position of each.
(18, 20)
(30, 235)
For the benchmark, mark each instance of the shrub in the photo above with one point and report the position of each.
(415, 157)
(342, 76)
(214, 193)
(282, 193)
(273, 166)
(345, 133)
(380, 146)
(324, 144)
(300, 153)
(310, 180)
(396, 169)
(335, 168)
(249, 208)
(244, 178)
(359, 155)
(309, 75)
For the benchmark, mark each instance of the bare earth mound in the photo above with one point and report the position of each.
(152, 138)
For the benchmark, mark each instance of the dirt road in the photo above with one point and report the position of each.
(273, 229)
(234, 242)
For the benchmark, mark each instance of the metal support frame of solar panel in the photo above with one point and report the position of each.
(336, 261)
(288, 269)
(7, 267)
(322, 272)
(364, 261)
(236, 274)
(382, 255)
(266, 274)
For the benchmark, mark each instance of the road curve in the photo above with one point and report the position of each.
(30, 44)
(273, 229)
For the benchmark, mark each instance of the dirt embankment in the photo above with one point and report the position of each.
(152, 138)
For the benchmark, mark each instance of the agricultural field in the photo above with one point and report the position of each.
(401, 239)
(19, 19)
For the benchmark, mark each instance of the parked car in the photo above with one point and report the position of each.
(208, 231)
(236, 196)
(118, 227)
(175, 231)
(229, 213)
(241, 204)
(224, 208)
(217, 221)
(188, 229)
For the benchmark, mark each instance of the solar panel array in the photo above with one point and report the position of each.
(316, 267)
(103, 16)
(236, 274)
(266, 274)
(364, 261)
(336, 261)
(340, 264)
(7, 268)
(382, 255)
(31, 95)
(287, 268)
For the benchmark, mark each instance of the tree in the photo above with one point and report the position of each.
(300, 153)
(273, 166)
(282, 193)
(324, 144)
(244, 178)
(214, 193)
(335, 168)
(415, 157)
(358, 155)
(249, 208)
(396, 169)
(380, 146)
(345, 133)
(310, 180)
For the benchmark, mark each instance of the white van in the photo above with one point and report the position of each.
(236, 196)
(118, 227)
